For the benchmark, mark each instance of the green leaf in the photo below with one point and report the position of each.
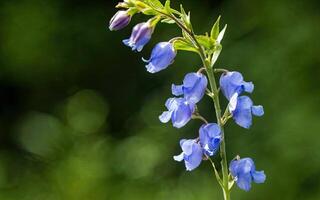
(205, 41)
(215, 29)
(221, 34)
(154, 3)
(185, 17)
(216, 54)
(149, 11)
(167, 6)
(168, 21)
(184, 46)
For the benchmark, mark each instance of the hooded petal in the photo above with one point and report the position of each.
(210, 138)
(232, 82)
(244, 181)
(194, 160)
(141, 34)
(242, 114)
(182, 115)
(162, 56)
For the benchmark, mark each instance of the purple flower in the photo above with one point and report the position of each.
(120, 20)
(162, 56)
(210, 138)
(244, 172)
(244, 108)
(140, 36)
(193, 87)
(232, 82)
(179, 111)
(191, 154)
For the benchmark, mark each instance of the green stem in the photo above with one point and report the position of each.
(223, 154)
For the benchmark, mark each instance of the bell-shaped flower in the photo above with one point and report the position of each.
(244, 172)
(232, 82)
(191, 154)
(120, 20)
(140, 36)
(244, 109)
(179, 111)
(193, 87)
(210, 138)
(162, 56)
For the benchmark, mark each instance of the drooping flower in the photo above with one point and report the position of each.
(162, 56)
(210, 138)
(232, 82)
(193, 87)
(120, 20)
(244, 172)
(179, 111)
(242, 113)
(140, 36)
(191, 154)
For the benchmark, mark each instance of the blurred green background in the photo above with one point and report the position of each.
(79, 112)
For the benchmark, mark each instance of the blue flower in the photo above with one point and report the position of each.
(191, 154)
(120, 20)
(179, 111)
(140, 36)
(244, 172)
(162, 56)
(210, 138)
(232, 82)
(193, 87)
(244, 108)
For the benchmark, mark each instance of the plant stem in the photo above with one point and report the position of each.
(223, 155)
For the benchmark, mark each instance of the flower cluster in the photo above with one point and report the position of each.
(182, 107)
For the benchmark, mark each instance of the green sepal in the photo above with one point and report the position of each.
(215, 29)
(184, 46)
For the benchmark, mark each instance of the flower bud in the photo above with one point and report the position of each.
(120, 20)
(140, 36)
(162, 56)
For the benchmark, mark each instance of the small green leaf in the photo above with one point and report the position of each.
(184, 46)
(167, 6)
(205, 41)
(215, 55)
(221, 34)
(154, 3)
(215, 29)
(168, 21)
(149, 11)
(185, 17)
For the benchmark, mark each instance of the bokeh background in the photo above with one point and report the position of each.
(79, 112)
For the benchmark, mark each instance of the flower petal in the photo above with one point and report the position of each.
(179, 157)
(176, 89)
(257, 110)
(244, 181)
(242, 114)
(165, 116)
(258, 176)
